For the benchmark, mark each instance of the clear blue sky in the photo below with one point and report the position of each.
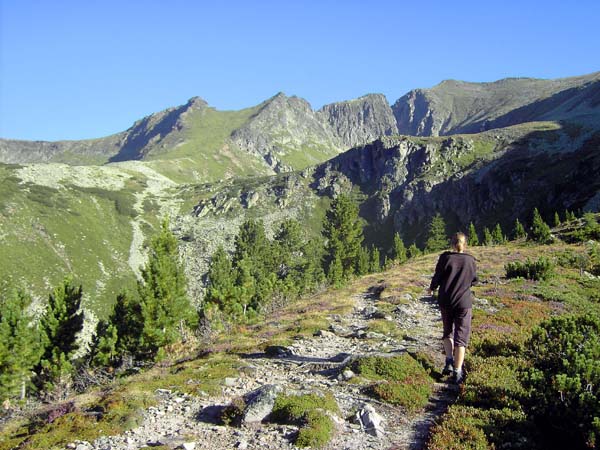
(83, 69)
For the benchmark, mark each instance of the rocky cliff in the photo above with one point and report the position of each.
(454, 107)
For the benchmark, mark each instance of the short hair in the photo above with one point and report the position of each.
(459, 241)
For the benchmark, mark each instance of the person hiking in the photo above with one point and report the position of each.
(455, 273)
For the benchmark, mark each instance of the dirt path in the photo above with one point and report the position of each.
(311, 366)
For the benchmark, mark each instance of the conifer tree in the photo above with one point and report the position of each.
(165, 306)
(342, 230)
(473, 239)
(363, 261)
(59, 326)
(335, 274)
(567, 216)
(252, 246)
(487, 237)
(437, 239)
(120, 335)
(399, 249)
(519, 231)
(413, 251)
(556, 219)
(375, 260)
(19, 346)
(221, 280)
(497, 235)
(289, 255)
(312, 274)
(103, 349)
(540, 231)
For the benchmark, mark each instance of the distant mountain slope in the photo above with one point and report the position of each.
(454, 107)
(195, 142)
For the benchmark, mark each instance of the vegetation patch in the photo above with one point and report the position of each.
(310, 413)
(540, 269)
(400, 380)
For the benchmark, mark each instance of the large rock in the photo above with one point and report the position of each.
(259, 403)
(370, 421)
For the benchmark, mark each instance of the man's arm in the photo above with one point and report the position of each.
(435, 281)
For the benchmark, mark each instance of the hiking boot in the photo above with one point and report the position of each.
(459, 376)
(449, 367)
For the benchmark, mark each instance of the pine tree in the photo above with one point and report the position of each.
(375, 260)
(399, 249)
(342, 231)
(437, 239)
(335, 274)
(497, 235)
(519, 230)
(556, 219)
(165, 306)
(540, 231)
(221, 280)
(413, 251)
(289, 255)
(60, 325)
(362, 262)
(473, 239)
(311, 272)
(252, 246)
(103, 349)
(487, 237)
(19, 346)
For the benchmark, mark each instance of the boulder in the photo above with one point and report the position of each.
(259, 403)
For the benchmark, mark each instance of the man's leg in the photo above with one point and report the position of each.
(449, 347)
(447, 321)
(459, 356)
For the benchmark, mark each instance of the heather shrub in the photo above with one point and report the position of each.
(540, 269)
(564, 379)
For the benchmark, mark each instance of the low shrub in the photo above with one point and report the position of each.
(401, 380)
(564, 379)
(540, 269)
(310, 413)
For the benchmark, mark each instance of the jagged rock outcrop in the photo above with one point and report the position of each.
(359, 121)
(454, 107)
(284, 129)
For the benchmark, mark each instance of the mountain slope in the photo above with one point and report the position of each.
(454, 107)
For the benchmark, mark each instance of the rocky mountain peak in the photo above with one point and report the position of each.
(361, 120)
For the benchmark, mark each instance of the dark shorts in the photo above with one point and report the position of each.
(460, 321)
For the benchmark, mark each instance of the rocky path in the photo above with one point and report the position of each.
(309, 365)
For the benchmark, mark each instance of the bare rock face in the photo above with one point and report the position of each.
(359, 121)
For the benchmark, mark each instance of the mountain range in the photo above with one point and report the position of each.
(481, 152)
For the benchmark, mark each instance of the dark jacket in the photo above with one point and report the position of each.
(454, 274)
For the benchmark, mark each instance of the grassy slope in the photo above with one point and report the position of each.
(47, 234)
(207, 155)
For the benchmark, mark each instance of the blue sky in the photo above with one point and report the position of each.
(84, 69)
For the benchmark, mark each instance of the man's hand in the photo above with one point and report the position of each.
(430, 292)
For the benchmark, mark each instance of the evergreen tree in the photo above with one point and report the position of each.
(103, 349)
(473, 239)
(487, 237)
(437, 239)
(363, 261)
(567, 215)
(342, 231)
(221, 280)
(119, 335)
(289, 255)
(19, 346)
(252, 246)
(399, 249)
(556, 219)
(375, 260)
(413, 251)
(335, 274)
(312, 274)
(165, 306)
(60, 324)
(497, 235)
(540, 231)
(519, 231)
